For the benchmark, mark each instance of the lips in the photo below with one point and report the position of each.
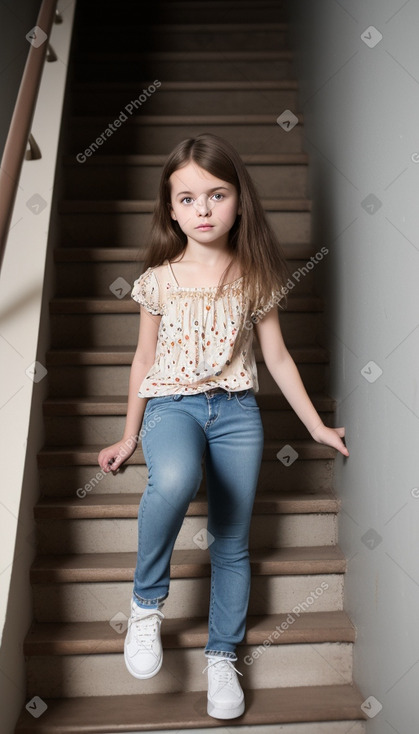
(205, 226)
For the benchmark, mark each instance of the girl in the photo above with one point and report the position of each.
(213, 272)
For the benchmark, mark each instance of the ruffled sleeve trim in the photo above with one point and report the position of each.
(146, 292)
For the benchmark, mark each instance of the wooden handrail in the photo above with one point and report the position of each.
(20, 126)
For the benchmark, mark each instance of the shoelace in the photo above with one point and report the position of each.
(146, 632)
(224, 671)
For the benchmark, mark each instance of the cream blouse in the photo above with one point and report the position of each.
(197, 336)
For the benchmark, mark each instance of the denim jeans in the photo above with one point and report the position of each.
(226, 429)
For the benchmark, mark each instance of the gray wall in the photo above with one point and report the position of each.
(361, 118)
(16, 20)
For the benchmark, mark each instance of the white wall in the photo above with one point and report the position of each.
(361, 113)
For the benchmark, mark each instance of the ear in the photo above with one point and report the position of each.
(172, 214)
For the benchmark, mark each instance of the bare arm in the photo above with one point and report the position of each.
(111, 457)
(286, 375)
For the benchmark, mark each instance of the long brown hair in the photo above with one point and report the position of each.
(252, 242)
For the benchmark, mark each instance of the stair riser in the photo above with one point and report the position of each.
(75, 430)
(132, 230)
(98, 536)
(189, 102)
(309, 475)
(125, 71)
(322, 727)
(107, 675)
(94, 278)
(142, 182)
(111, 380)
(181, 12)
(149, 39)
(109, 330)
(133, 138)
(101, 601)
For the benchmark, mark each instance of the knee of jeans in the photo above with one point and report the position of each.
(174, 480)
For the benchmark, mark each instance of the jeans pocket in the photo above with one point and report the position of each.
(247, 400)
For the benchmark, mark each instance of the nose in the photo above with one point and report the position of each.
(203, 205)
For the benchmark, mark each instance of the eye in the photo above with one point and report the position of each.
(221, 197)
(186, 200)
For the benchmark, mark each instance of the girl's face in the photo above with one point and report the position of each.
(205, 207)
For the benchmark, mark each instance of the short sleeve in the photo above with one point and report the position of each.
(275, 299)
(146, 292)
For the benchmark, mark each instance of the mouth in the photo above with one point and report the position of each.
(205, 226)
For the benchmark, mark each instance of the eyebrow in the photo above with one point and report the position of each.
(210, 191)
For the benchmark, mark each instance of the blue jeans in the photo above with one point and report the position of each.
(179, 429)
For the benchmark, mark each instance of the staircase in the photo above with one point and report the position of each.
(224, 67)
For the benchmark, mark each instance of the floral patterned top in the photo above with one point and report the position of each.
(203, 341)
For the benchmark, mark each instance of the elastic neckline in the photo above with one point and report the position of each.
(198, 288)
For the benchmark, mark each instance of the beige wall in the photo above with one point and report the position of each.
(25, 289)
(361, 110)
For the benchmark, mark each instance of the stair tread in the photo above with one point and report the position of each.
(106, 714)
(87, 455)
(189, 86)
(164, 120)
(125, 505)
(172, 56)
(187, 563)
(197, 27)
(117, 404)
(132, 206)
(77, 638)
(292, 251)
(106, 304)
(124, 355)
(131, 159)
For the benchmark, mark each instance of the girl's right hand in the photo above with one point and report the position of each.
(111, 458)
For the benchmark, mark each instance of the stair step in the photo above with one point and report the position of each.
(186, 86)
(124, 356)
(125, 505)
(117, 405)
(70, 455)
(103, 304)
(133, 206)
(102, 223)
(173, 56)
(185, 710)
(184, 120)
(84, 638)
(190, 37)
(136, 255)
(77, 526)
(134, 177)
(125, 160)
(190, 563)
(189, 12)
(243, 97)
(183, 65)
(158, 134)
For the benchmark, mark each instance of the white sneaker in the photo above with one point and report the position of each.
(143, 652)
(225, 696)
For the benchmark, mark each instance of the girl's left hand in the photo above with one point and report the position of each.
(331, 437)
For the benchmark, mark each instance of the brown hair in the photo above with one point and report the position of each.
(252, 242)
